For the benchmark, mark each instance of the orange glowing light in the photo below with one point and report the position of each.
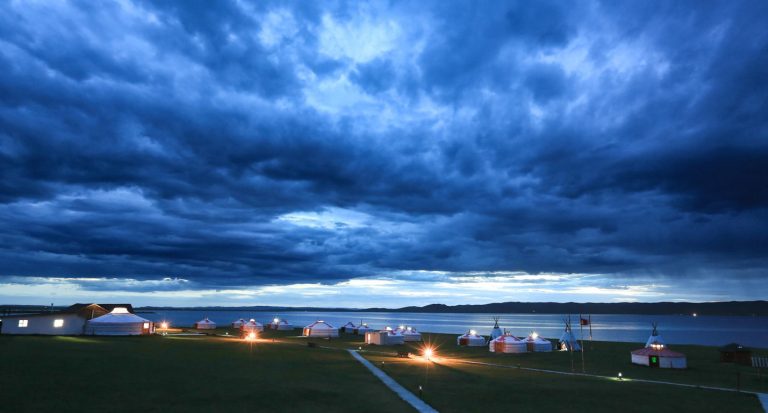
(251, 336)
(428, 353)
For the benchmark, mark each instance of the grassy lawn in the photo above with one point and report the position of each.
(206, 374)
(602, 358)
(453, 387)
(211, 374)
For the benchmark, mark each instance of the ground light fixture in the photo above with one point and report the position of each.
(620, 376)
(251, 336)
(428, 353)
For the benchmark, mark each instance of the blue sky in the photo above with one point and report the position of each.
(383, 153)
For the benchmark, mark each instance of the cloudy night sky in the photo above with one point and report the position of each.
(383, 154)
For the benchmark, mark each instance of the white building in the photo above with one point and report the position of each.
(507, 343)
(205, 324)
(119, 322)
(320, 329)
(384, 338)
(69, 321)
(280, 324)
(470, 339)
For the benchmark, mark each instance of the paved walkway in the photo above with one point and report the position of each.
(401, 391)
(764, 400)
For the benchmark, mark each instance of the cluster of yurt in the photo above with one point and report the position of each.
(362, 328)
(507, 343)
(386, 337)
(205, 324)
(409, 333)
(470, 339)
(280, 324)
(320, 329)
(119, 322)
(656, 354)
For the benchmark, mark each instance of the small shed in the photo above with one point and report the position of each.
(735, 353)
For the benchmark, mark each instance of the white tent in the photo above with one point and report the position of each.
(205, 324)
(655, 339)
(496, 332)
(119, 322)
(280, 324)
(507, 343)
(238, 323)
(568, 341)
(384, 338)
(252, 325)
(348, 328)
(537, 344)
(362, 329)
(320, 329)
(409, 333)
(470, 339)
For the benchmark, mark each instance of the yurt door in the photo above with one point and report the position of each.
(498, 346)
(653, 361)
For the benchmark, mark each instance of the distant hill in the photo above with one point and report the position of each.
(743, 308)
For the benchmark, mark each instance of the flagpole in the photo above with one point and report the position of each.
(581, 327)
(590, 333)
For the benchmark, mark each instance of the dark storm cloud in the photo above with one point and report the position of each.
(235, 144)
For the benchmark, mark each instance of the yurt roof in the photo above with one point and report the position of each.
(349, 324)
(119, 315)
(664, 352)
(206, 320)
(319, 323)
(253, 322)
(506, 337)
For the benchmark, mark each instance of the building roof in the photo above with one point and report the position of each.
(107, 307)
(87, 311)
(733, 348)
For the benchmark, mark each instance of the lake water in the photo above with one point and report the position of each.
(675, 329)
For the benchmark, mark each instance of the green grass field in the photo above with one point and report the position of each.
(211, 374)
(189, 374)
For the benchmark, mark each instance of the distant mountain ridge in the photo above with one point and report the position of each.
(742, 308)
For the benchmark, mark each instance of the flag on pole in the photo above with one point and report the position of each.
(584, 321)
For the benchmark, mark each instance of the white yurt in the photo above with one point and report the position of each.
(252, 325)
(280, 324)
(496, 332)
(205, 324)
(662, 358)
(238, 323)
(384, 338)
(320, 329)
(361, 329)
(537, 344)
(507, 343)
(119, 322)
(409, 333)
(568, 341)
(656, 354)
(348, 328)
(470, 339)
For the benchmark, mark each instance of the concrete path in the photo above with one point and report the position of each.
(401, 391)
(764, 400)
